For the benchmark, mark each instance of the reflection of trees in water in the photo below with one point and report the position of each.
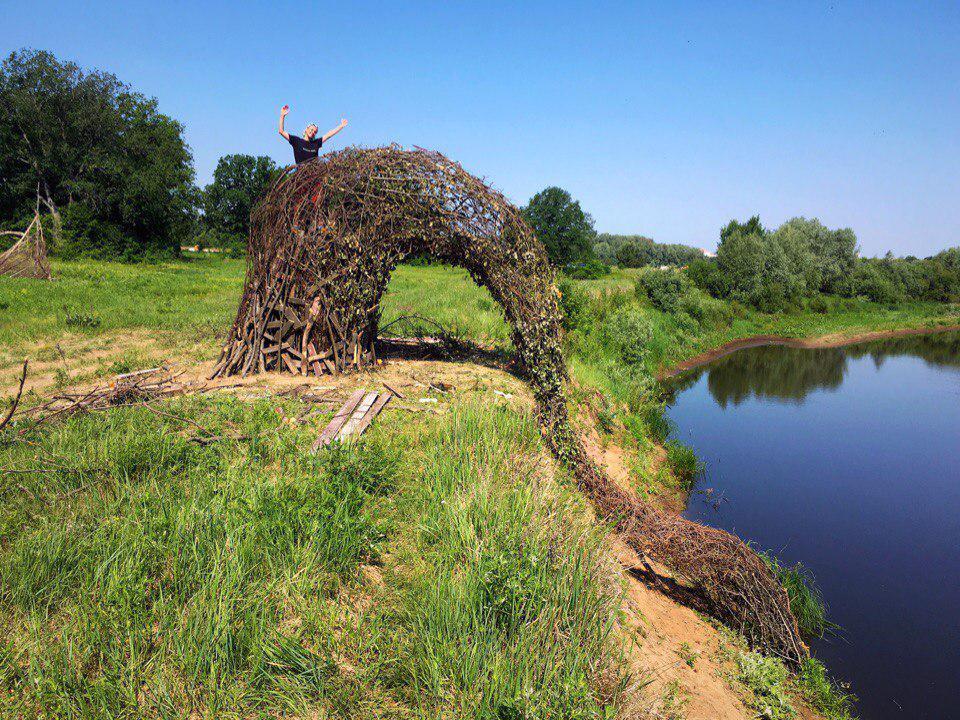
(775, 372)
(940, 350)
(785, 373)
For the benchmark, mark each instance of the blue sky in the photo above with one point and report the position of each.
(666, 119)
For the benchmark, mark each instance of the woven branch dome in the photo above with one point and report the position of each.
(323, 243)
(327, 236)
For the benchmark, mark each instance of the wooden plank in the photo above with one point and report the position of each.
(313, 359)
(338, 421)
(367, 418)
(138, 373)
(357, 417)
(291, 366)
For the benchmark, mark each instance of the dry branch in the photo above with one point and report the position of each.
(27, 258)
(16, 398)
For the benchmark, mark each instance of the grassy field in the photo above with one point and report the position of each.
(145, 574)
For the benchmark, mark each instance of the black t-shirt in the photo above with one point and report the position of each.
(304, 150)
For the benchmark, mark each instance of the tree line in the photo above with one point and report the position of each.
(111, 174)
(802, 259)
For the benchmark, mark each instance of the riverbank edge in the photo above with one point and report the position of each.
(832, 340)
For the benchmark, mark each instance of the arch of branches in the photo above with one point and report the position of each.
(323, 243)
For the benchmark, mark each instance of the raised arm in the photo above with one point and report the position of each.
(330, 133)
(283, 114)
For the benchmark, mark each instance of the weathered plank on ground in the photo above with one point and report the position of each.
(367, 418)
(338, 421)
(368, 400)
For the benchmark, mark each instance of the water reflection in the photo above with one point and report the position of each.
(790, 374)
(848, 461)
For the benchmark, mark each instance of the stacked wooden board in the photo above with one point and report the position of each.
(289, 333)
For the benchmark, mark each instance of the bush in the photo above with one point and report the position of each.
(591, 269)
(869, 280)
(818, 304)
(663, 288)
(706, 275)
(628, 331)
(771, 298)
(705, 309)
(769, 680)
(573, 304)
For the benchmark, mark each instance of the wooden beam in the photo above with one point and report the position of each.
(338, 421)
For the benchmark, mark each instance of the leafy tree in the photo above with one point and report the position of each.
(828, 256)
(753, 226)
(75, 136)
(562, 226)
(757, 267)
(629, 255)
(238, 182)
(740, 259)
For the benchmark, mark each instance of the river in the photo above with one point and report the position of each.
(847, 460)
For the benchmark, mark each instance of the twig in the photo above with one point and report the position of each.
(393, 390)
(16, 399)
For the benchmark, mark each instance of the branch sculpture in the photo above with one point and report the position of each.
(27, 258)
(323, 243)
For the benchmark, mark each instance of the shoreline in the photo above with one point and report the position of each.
(833, 340)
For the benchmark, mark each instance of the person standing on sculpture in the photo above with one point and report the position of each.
(307, 147)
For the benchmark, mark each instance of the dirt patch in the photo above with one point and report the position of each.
(824, 341)
(675, 655)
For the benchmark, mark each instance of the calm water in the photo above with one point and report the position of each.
(847, 460)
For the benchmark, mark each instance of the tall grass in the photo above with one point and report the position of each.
(143, 574)
(806, 600)
(510, 611)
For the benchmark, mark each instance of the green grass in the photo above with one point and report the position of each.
(806, 601)
(140, 570)
(507, 614)
(192, 296)
(145, 575)
(683, 462)
(833, 701)
(449, 297)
